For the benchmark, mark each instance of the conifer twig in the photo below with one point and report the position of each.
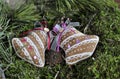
(89, 23)
(56, 74)
(2, 75)
(7, 67)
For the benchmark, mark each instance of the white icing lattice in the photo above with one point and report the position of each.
(81, 43)
(80, 56)
(24, 50)
(70, 37)
(35, 49)
(68, 29)
(44, 34)
(38, 39)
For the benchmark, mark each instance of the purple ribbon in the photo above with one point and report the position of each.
(64, 25)
(59, 36)
(58, 42)
(55, 30)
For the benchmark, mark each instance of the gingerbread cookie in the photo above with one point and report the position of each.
(32, 47)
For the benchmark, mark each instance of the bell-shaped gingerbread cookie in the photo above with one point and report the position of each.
(32, 47)
(77, 46)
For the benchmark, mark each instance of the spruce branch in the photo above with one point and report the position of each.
(85, 29)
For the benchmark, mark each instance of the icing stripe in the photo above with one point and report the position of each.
(70, 37)
(76, 40)
(38, 39)
(43, 34)
(81, 49)
(35, 49)
(42, 37)
(78, 56)
(81, 43)
(67, 30)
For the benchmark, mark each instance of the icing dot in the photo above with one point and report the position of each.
(30, 47)
(74, 50)
(68, 45)
(35, 57)
(77, 41)
(73, 40)
(36, 62)
(86, 37)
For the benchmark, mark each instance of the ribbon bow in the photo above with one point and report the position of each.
(59, 29)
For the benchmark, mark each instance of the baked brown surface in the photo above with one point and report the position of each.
(80, 38)
(31, 49)
(81, 49)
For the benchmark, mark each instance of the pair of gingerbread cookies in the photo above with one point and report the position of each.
(76, 45)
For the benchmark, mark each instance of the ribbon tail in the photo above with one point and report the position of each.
(48, 42)
(58, 48)
(58, 42)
